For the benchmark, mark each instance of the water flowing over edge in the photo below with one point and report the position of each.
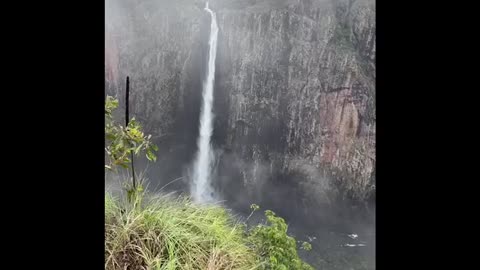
(201, 189)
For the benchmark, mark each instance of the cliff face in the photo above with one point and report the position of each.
(294, 91)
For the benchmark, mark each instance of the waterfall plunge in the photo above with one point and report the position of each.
(201, 189)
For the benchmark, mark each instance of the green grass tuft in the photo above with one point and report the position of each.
(173, 233)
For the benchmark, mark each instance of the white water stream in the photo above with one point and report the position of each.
(201, 189)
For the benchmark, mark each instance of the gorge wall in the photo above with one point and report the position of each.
(294, 94)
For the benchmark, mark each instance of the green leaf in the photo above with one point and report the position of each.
(137, 150)
(151, 156)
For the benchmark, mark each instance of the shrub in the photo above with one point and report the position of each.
(276, 249)
(122, 141)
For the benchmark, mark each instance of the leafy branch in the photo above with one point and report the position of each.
(122, 141)
(274, 246)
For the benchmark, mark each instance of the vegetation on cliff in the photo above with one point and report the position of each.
(166, 232)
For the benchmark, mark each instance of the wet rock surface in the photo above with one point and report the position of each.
(294, 95)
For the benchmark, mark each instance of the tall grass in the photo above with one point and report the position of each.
(173, 233)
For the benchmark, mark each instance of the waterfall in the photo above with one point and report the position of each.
(201, 189)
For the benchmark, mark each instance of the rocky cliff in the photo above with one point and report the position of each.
(294, 92)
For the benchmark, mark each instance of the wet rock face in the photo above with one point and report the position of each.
(294, 91)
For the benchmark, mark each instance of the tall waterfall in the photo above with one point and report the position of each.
(201, 189)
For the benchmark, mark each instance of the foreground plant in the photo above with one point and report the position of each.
(122, 142)
(164, 232)
(275, 247)
(169, 233)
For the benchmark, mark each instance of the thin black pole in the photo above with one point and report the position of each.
(126, 101)
(126, 125)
